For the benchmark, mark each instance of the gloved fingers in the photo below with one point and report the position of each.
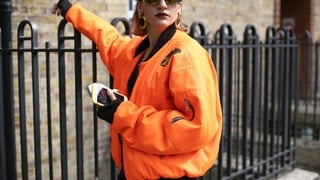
(55, 9)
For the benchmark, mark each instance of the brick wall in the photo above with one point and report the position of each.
(213, 13)
(238, 13)
(316, 20)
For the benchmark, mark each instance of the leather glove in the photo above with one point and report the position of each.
(64, 6)
(61, 7)
(107, 111)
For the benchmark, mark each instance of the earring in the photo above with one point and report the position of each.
(178, 20)
(142, 22)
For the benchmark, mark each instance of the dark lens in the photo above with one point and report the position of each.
(153, 2)
(103, 97)
(172, 1)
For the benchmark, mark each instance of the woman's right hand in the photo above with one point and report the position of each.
(55, 9)
(61, 7)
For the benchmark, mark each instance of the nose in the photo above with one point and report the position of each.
(163, 4)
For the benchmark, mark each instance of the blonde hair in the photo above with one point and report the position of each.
(136, 30)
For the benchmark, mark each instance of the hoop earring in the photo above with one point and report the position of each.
(178, 20)
(142, 22)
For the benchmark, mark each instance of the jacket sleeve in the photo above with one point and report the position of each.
(194, 119)
(106, 37)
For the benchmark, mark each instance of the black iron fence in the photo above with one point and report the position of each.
(269, 93)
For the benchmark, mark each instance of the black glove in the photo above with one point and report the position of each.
(64, 6)
(106, 112)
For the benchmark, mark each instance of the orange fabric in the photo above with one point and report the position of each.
(171, 125)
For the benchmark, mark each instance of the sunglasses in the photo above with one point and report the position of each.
(156, 2)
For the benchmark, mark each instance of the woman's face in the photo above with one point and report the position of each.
(161, 15)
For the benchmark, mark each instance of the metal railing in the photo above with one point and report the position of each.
(260, 94)
(259, 100)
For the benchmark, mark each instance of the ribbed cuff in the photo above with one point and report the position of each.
(107, 112)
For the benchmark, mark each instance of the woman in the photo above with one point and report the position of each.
(170, 127)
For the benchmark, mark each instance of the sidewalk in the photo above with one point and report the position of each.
(299, 174)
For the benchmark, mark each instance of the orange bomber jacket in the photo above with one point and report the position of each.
(171, 124)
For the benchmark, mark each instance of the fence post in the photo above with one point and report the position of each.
(3, 174)
(198, 32)
(62, 99)
(126, 25)
(270, 113)
(224, 37)
(251, 88)
(8, 171)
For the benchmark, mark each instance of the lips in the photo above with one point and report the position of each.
(161, 15)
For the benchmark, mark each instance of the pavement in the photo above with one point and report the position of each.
(299, 174)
